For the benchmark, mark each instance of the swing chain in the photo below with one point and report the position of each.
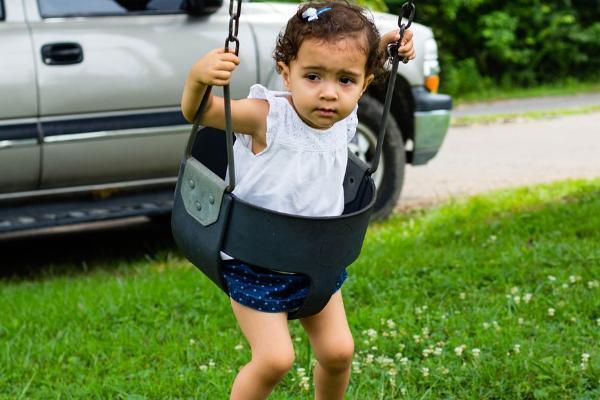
(406, 11)
(234, 25)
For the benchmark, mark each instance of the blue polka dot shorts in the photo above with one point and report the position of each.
(267, 290)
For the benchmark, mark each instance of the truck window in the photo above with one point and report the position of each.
(70, 8)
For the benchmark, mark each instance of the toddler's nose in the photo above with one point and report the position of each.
(328, 92)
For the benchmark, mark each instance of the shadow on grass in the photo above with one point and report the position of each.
(74, 250)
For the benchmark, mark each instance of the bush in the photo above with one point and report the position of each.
(519, 43)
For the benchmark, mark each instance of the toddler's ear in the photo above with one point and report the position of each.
(284, 70)
(368, 81)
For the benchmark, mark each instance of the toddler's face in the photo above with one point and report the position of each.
(326, 79)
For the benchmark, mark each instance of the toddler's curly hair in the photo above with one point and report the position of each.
(342, 21)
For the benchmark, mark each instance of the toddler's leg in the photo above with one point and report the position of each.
(272, 352)
(332, 343)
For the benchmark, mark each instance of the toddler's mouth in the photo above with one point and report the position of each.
(326, 112)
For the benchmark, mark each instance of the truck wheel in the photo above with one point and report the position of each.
(390, 173)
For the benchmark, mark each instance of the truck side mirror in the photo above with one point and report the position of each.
(200, 7)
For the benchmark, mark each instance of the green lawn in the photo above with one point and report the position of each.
(494, 297)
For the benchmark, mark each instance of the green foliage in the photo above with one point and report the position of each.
(517, 43)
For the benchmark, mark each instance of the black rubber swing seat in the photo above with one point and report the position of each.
(207, 219)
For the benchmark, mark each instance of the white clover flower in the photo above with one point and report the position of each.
(427, 352)
(192, 342)
(514, 290)
(393, 372)
(573, 319)
(304, 385)
(517, 348)
(425, 372)
(374, 348)
(417, 338)
(393, 333)
(517, 299)
(403, 391)
(301, 372)
(384, 361)
(369, 359)
(496, 326)
(521, 321)
(551, 312)
(444, 370)
(298, 339)
(565, 286)
(486, 326)
(551, 278)
(459, 350)
(211, 363)
(203, 368)
(598, 321)
(404, 361)
(238, 347)
(492, 238)
(585, 357)
(398, 355)
(593, 284)
(527, 297)
(425, 331)
(462, 295)
(437, 351)
(476, 352)
(574, 278)
(372, 333)
(390, 324)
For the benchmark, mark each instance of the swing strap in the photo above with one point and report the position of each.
(235, 9)
(407, 11)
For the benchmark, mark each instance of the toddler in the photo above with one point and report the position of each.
(290, 156)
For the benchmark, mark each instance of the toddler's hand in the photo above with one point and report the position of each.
(406, 49)
(214, 68)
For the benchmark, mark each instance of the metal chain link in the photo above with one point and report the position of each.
(235, 8)
(406, 11)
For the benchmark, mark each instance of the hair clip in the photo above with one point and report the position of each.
(311, 13)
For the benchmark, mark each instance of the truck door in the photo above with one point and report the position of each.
(19, 145)
(111, 73)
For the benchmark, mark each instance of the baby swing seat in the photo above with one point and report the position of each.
(207, 219)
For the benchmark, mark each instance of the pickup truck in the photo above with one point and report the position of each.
(90, 125)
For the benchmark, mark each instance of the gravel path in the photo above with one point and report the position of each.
(483, 157)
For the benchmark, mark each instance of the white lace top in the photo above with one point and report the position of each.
(301, 171)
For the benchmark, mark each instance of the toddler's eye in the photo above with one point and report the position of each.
(346, 81)
(312, 77)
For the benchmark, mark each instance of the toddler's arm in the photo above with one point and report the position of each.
(406, 49)
(215, 68)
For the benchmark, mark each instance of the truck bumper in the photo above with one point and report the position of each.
(432, 119)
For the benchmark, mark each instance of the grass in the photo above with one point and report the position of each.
(494, 297)
(527, 115)
(567, 87)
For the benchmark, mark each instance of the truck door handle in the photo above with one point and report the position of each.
(62, 53)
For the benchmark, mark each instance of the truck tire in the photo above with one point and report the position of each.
(389, 176)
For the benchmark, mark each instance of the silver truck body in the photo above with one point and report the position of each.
(112, 120)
